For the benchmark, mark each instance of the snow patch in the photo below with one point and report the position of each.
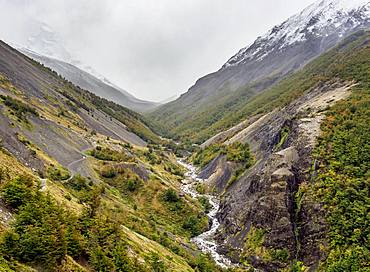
(320, 18)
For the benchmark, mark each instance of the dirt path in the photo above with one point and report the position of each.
(75, 166)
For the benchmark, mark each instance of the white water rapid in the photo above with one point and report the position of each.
(205, 241)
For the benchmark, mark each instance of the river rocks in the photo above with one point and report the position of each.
(205, 241)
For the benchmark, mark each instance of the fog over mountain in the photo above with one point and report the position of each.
(155, 50)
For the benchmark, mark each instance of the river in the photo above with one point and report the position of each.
(205, 241)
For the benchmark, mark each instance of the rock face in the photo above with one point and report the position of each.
(265, 197)
(217, 173)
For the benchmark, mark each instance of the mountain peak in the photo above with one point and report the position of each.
(320, 19)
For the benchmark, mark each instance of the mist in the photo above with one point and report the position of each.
(153, 49)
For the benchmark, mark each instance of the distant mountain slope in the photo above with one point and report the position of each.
(285, 48)
(99, 86)
(39, 82)
(48, 47)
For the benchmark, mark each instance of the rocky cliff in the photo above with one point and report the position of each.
(265, 220)
(264, 198)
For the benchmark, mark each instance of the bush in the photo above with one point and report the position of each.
(193, 224)
(235, 152)
(17, 192)
(106, 154)
(281, 255)
(200, 188)
(238, 152)
(18, 107)
(205, 203)
(108, 172)
(156, 263)
(170, 195)
(204, 264)
(78, 183)
(132, 185)
(38, 235)
(57, 173)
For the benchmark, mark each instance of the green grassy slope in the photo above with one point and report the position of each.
(343, 182)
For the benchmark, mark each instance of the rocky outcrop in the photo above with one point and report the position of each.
(265, 197)
(217, 173)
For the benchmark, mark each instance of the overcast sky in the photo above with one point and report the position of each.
(152, 48)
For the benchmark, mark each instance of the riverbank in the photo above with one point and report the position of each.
(205, 241)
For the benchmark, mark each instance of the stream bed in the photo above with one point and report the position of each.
(205, 241)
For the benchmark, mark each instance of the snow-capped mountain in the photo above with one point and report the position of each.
(44, 41)
(282, 50)
(320, 19)
(46, 46)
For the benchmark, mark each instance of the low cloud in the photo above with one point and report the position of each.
(153, 49)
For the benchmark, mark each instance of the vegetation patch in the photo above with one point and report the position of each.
(235, 152)
(106, 154)
(170, 195)
(57, 173)
(18, 108)
(17, 192)
(122, 178)
(253, 246)
(343, 180)
(284, 133)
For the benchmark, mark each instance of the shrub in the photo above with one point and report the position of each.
(238, 152)
(108, 172)
(200, 188)
(205, 203)
(38, 235)
(57, 173)
(170, 195)
(132, 184)
(156, 263)
(284, 133)
(78, 183)
(193, 224)
(204, 264)
(106, 154)
(18, 107)
(206, 155)
(17, 191)
(281, 255)
(235, 152)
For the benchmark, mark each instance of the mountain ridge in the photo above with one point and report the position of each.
(99, 86)
(224, 91)
(46, 46)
